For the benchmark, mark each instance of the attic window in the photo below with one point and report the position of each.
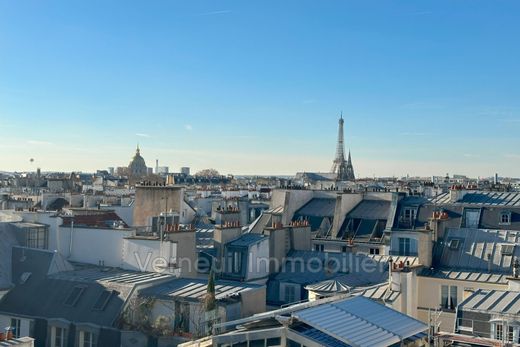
(507, 249)
(454, 244)
(102, 300)
(505, 218)
(74, 296)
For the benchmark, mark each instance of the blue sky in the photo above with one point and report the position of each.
(426, 87)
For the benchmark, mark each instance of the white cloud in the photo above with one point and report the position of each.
(213, 13)
(188, 127)
(39, 143)
(142, 135)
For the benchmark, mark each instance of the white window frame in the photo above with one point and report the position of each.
(507, 220)
(17, 326)
(289, 293)
(87, 339)
(237, 262)
(409, 214)
(62, 334)
(449, 303)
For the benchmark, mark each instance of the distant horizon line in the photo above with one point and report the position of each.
(282, 175)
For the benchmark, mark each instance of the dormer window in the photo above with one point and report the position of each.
(454, 244)
(505, 218)
(409, 214)
(508, 249)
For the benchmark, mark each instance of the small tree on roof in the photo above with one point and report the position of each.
(210, 302)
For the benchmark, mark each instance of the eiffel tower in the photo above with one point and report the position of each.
(342, 168)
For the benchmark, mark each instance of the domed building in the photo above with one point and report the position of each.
(137, 167)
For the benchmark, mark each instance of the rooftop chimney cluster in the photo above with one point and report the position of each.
(462, 187)
(277, 225)
(440, 215)
(8, 335)
(299, 223)
(230, 224)
(229, 208)
(151, 184)
(400, 265)
(172, 228)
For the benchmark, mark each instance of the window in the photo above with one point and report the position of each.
(409, 214)
(404, 246)
(236, 266)
(15, 325)
(505, 218)
(74, 296)
(507, 249)
(344, 249)
(87, 339)
(499, 332)
(319, 248)
(102, 301)
(472, 217)
(58, 337)
(448, 297)
(290, 294)
(374, 251)
(37, 238)
(454, 244)
(257, 343)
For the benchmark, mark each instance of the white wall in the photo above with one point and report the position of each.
(429, 296)
(92, 245)
(149, 255)
(258, 264)
(187, 215)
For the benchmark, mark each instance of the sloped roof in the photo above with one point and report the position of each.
(336, 285)
(204, 238)
(320, 337)
(363, 322)
(50, 281)
(468, 276)
(478, 250)
(371, 209)
(318, 207)
(490, 216)
(8, 241)
(57, 204)
(246, 240)
(196, 289)
(309, 267)
(276, 210)
(482, 197)
(493, 301)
